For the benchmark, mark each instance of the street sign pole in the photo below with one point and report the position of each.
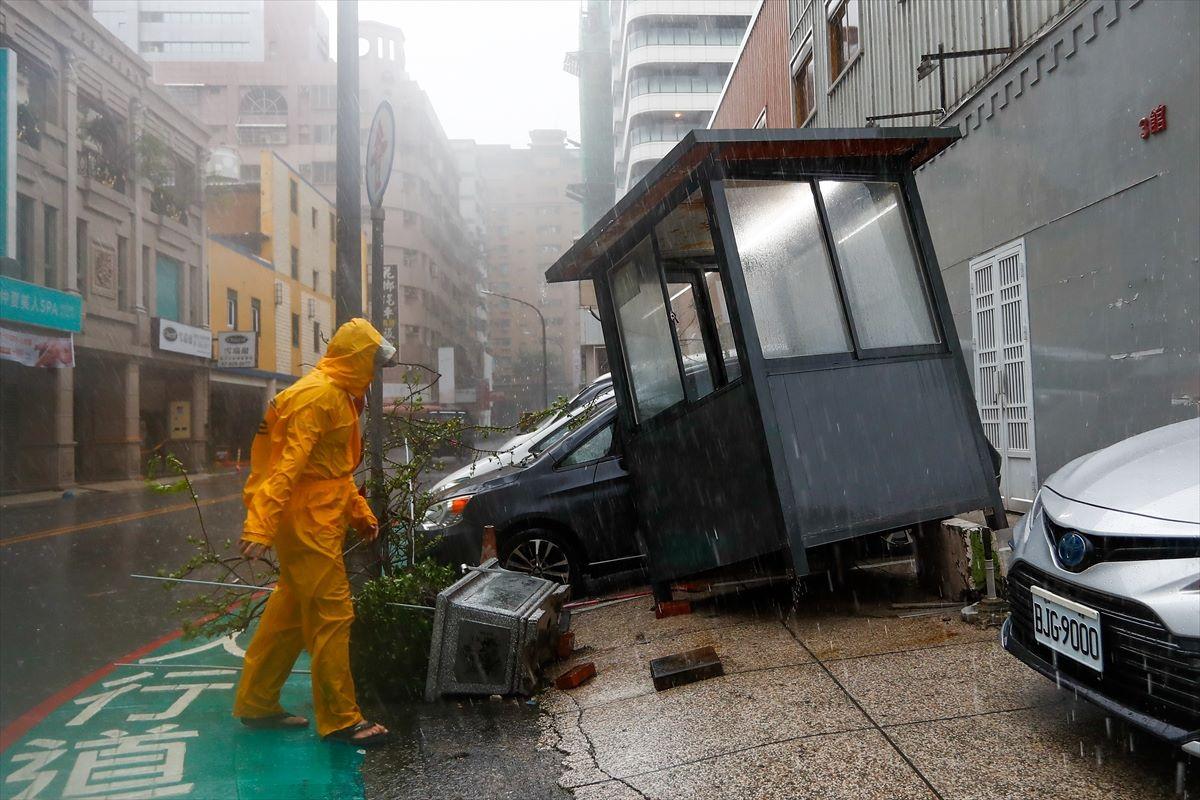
(381, 149)
(375, 419)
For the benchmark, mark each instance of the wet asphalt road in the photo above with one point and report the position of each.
(69, 605)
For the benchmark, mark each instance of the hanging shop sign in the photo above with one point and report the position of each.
(31, 304)
(175, 337)
(237, 349)
(36, 350)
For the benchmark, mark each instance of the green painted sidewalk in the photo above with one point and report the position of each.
(161, 727)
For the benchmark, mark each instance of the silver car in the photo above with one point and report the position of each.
(1104, 585)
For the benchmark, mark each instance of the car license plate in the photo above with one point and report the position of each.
(1067, 627)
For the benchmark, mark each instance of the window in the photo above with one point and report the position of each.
(256, 315)
(294, 196)
(262, 134)
(804, 90)
(595, 447)
(687, 316)
(878, 259)
(789, 277)
(25, 240)
(231, 315)
(323, 96)
(167, 284)
(645, 333)
(324, 172)
(724, 325)
(843, 37)
(295, 264)
(316, 336)
(316, 284)
(263, 101)
(123, 276)
(314, 219)
(81, 255)
(295, 330)
(37, 99)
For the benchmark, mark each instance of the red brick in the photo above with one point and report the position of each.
(565, 644)
(672, 608)
(576, 676)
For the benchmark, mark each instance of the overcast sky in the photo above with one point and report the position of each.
(493, 69)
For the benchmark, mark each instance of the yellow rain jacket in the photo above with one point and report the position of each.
(300, 498)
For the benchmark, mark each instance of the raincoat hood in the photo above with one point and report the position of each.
(350, 359)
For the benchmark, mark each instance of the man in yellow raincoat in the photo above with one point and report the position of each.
(300, 498)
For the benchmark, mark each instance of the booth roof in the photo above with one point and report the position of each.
(912, 147)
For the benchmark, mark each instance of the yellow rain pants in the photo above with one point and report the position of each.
(300, 498)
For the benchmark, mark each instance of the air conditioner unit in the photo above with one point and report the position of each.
(278, 293)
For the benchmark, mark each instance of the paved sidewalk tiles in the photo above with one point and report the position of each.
(920, 707)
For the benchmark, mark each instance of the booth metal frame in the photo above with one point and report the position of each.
(751, 482)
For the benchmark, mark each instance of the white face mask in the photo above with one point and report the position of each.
(385, 353)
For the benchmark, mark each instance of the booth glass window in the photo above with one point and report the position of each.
(789, 277)
(686, 314)
(878, 260)
(723, 323)
(645, 332)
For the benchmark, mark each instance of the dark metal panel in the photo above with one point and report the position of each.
(754, 370)
(699, 487)
(884, 440)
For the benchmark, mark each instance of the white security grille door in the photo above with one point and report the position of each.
(1003, 393)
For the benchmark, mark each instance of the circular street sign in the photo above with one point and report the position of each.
(381, 148)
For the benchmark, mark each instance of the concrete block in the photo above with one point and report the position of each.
(576, 676)
(687, 667)
(950, 558)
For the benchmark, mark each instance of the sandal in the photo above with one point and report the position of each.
(282, 720)
(347, 735)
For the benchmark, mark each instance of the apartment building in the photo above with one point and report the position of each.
(1063, 219)
(669, 61)
(257, 73)
(426, 241)
(272, 268)
(528, 221)
(285, 100)
(109, 270)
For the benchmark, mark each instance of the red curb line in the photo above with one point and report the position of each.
(22, 724)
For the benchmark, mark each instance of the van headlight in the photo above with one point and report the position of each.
(445, 513)
(1031, 521)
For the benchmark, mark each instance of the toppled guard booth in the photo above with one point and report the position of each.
(786, 364)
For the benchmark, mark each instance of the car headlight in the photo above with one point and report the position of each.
(445, 513)
(1032, 521)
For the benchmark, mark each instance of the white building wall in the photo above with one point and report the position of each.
(632, 160)
(186, 30)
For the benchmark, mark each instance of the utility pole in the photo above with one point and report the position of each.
(348, 286)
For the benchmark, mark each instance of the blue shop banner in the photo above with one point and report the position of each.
(36, 305)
